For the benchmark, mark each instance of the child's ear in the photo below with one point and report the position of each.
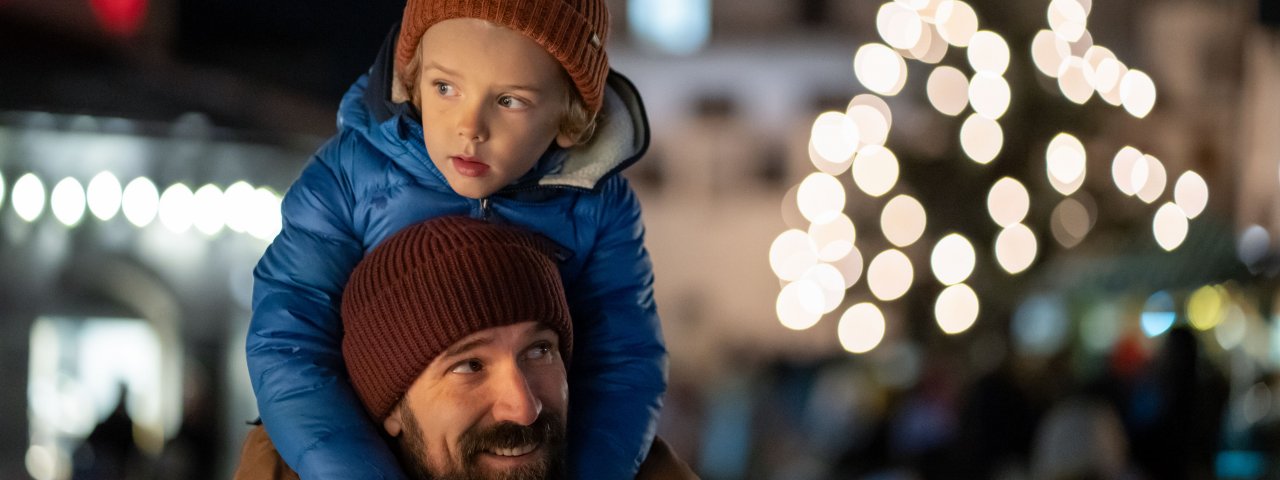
(564, 140)
(392, 423)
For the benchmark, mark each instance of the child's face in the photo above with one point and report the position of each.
(492, 102)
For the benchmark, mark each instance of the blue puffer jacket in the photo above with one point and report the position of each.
(374, 178)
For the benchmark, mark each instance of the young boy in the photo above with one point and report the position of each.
(497, 109)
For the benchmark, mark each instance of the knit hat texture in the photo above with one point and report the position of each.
(572, 31)
(433, 284)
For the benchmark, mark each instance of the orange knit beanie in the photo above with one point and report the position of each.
(433, 284)
(573, 31)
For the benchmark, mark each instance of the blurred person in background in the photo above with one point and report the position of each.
(457, 336)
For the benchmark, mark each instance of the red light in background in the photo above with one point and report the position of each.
(121, 18)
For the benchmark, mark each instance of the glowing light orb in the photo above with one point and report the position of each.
(1015, 248)
(104, 196)
(1170, 226)
(833, 239)
(948, 90)
(880, 69)
(989, 94)
(821, 197)
(28, 197)
(956, 309)
(800, 304)
(1008, 202)
(875, 170)
(988, 53)
(67, 201)
(835, 136)
(140, 202)
(791, 254)
(1191, 193)
(953, 259)
(981, 138)
(861, 328)
(956, 22)
(903, 220)
(890, 274)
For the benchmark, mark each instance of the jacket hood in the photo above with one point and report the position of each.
(395, 128)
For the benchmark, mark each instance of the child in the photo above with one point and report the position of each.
(497, 109)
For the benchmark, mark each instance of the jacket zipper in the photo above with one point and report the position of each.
(484, 208)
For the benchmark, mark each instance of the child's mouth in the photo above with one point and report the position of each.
(469, 166)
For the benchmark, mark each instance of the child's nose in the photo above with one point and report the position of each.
(471, 124)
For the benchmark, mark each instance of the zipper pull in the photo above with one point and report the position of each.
(484, 208)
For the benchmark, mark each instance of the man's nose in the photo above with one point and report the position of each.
(515, 401)
(471, 123)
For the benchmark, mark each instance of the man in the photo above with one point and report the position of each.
(456, 339)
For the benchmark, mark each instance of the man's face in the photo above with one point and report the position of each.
(492, 101)
(492, 406)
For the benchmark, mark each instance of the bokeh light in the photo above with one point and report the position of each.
(889, 275)
(899, 25)
(875, 170)
(1070, 222)
(948, 90)
(1138, 93)
(1206, 308)
(208, 214)
(903, 220)
(833, 239)
(873, 126)
(880, 69)
(988, 53)
(2, 187)
(937, 48)
(1170, 226)
(67, 201)
(835, 137)
(1072, 81)
(104, 196)
(1065, 162)
(1191, 193)
(850, 267)
(1158, 314)
(1008, 202)
(237, 201)
(829, 279)
(981, 138)
(956, 309)
(956, 22)
(989, 94)
(1107, 78)
(821, 197)
(791, 254)
(1015, 248)
(1040, 325)
(861, 328)
(140, 202)
(1233, 329)
(1068, 19)
(1253, 244)
(953, 259)
(1151, 177)
(28, 197)
(266, 222)
(825, 166)
(1048, 52)
(800, 305)
(875, 102)
(177, 205)
(1122, 169)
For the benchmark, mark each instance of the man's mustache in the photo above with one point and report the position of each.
(547, 429)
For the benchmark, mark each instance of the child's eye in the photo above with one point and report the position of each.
(444, 89)
(507, 101)
(467, 366)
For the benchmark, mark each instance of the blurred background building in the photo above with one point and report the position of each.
(914, 239)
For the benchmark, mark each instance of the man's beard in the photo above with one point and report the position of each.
(547, 431)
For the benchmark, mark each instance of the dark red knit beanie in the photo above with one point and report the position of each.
(434, 283)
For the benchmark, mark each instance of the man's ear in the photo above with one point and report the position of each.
(392, 423)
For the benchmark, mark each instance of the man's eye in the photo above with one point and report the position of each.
(469, 366)
(540, 351)
(508, 101)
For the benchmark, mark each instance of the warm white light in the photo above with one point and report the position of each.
(1068, 19)
(821, 197)
(872, 101)
(890, 274)
(880, 69)
(948, 90)
(1170, 226)
(875, 170)
(981, 138)
(835, 137)
(238, 204)
(1093, 58)
(956, 21)
(824, 166)
(800, 305)
(989, 94)
(791, 254)
(953, 259)
(1138, 93)
(28, 197)
(831, 281)
(1082, 46)
(1070, 222)
(1016, 248)
(872, 124)
(903, 220)
(140, 202)
(67, 201)
(177, 204)
(1123, 168)
(104, 196)
(1107, 80)
(924, 45)
(1008, 202)
(861, 328)
(917, 5)
(1152, 176)
(1048, 52)
(899, 26)
(209, 214)
(937, 46)
(1065, 159)
(1072, 80)
(1191, 193)
(266, 223)
(834, 239)
(956, 309)
(988, 53)
(850, 267)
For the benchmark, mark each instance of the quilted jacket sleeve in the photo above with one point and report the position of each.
(294, 344)
(619, 371)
